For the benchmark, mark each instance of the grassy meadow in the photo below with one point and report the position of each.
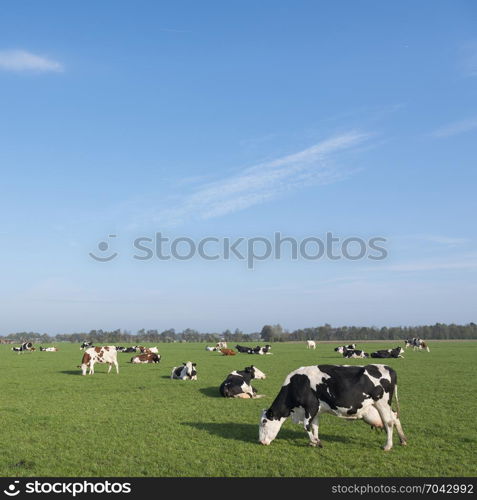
(56, 422)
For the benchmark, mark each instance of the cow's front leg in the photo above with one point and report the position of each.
(310, 423)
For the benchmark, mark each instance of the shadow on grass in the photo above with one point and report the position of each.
(71, 372)
(211, 392)
(249, 433)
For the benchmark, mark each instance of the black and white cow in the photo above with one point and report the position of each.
(185, 372)
(263, 350)
(342, 348)
(416, 343)
(397, 352)
(85, 345)
(120, 348)
(130, 349)
(355, 354)
(244, 349)
(25, 347)
(237, 384)
(213, 349)
(350, 392)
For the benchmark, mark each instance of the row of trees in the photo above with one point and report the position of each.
(269, 333)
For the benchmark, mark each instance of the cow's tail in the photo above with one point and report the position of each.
(397, 401)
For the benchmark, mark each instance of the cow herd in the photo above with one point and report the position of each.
(346, 391)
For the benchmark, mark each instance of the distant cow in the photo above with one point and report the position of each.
(416, 343)
(154, 350)
(262, 350)
(148, 357)
(351, 392)
(129, 349)
(211, 348)
(221, 345)
(120, 348)
(355, 354)
(25, 347)
(243, 349)
(85, 345)
(185, 372)
(106, 354)
(237, 384)
(48, 349)
(388, 353)
(342, 348)
(310, 344)
(228, 352)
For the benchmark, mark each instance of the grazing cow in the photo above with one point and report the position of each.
(25, 347)
(228, 352)
(342, 348)
(221, 345)
(237, 384)
(244, 349)
(211, 348)
(388, 353)
(351, 392)
(48, 349)
(185, 372)
(355, 354)
(310, 344)
(148, 357)
(85, 345)
(106, 354)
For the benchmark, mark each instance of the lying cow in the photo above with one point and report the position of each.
(106, 354)
(48, 349)
(310, 344)
(185, 372)
(388, 353)
(228, 352)
(221, 345)
(355, 354)
(351, 392)
(243, 349)
(237, 384)
(129, 349)
(262, 350)
(25, 347)
(148, 357)
(211, 348)
(342, 348)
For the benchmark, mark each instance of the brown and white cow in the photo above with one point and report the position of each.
(105, 354)
(147, 357)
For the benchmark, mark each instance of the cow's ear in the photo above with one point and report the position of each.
(194, 364)
(184, 364)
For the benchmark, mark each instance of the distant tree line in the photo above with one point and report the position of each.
(269, 333)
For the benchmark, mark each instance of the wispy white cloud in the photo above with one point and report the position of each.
(266, 181)
(456, 128)
(21, 60)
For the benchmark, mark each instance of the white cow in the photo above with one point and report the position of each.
(221, 345)
(310, 344)
(106, 354)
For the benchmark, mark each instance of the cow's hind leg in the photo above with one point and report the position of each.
(402, 437)
(387, 417)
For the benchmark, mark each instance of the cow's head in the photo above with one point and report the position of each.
(340, 349)
(190, 368)
(256, 373)
(269, 427)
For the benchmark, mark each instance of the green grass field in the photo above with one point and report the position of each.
(54, 422)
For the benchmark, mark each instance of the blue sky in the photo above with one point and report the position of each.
(199, 119)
